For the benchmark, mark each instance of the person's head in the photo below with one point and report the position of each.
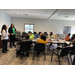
(4, 27)
(51, 33)
(73, 36)
(27, 36)
(68, 35)
(30, 33)
(12, 26)
(41, 34)
(43, 37)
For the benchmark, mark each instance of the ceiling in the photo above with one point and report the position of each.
(61, 14)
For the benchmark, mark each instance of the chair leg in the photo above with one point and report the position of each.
(59, 59)
(44, 56)
(33, 55)
(52, 56)
(68, 60)
(71, 59)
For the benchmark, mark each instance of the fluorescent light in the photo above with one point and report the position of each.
(17, 13)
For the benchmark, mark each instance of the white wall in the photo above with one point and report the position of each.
(43, 25)
(4, 19)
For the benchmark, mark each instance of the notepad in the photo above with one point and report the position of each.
(67, 42)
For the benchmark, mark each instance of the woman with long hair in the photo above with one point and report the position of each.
(4, 38)
(12, 32)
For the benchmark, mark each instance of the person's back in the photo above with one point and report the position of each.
(42, 40)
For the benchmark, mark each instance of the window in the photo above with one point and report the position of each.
(29, 27)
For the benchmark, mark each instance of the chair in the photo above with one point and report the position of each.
(18, 35)
(25, 47)
(23, 34)
(72, 53)
(45, 32)
(35, 33)
(63, 52)
(39, 33)
(39, 47)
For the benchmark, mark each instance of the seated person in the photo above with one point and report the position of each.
(51, 36)
(31, 36)
(41, 34)
(73, 37)
(26, 39)
(42, 40)
(67, 38)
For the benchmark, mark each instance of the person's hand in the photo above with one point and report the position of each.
(11, 33)
(8, 34)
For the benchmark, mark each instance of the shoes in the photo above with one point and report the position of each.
(10, 47)
(7, 50)
(4, 52)
(38, 54)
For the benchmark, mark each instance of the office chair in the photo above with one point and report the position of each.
(39, 33)
(64, 52)
(45, 32)
(23, 34)
(39, 47)
(25, 47)
(35, 33)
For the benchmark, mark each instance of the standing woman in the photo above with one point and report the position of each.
(4, 38)
(12, 32)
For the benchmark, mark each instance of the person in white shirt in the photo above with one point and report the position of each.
(4, 38)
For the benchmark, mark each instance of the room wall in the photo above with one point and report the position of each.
(4, 19)
(44, 25)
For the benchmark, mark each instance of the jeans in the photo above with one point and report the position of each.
(4, 47)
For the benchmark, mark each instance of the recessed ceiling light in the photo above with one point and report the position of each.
(17, 13)
(38, 13)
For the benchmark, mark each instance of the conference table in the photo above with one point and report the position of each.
(59, 42)
(54, 41)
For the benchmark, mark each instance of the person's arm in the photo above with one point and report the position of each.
(67, 39)
(73, 41)
(9, 30)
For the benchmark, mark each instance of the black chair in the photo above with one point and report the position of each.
(18, 35)
(25, 47)
(64, 52)
(23, 34)
(39, 47)
(72, 53)
(45, 32)
(35, 33)
(39, 33)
